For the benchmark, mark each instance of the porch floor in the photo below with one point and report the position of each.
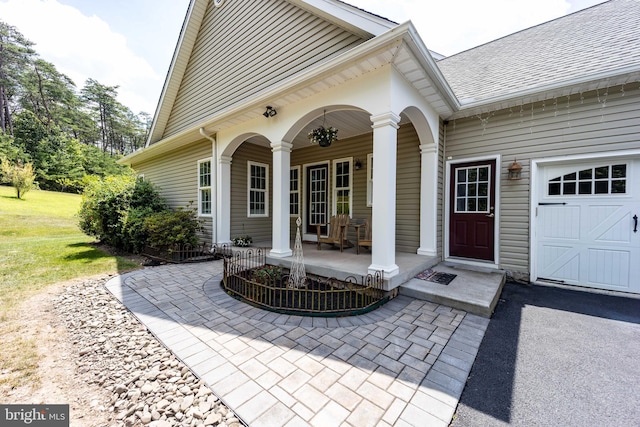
(473, 290)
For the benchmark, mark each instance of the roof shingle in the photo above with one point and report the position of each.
(600, 39)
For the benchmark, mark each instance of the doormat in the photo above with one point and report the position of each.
(436, 277)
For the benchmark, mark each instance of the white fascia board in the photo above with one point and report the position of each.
(351, 18)
(423, 55)
(160, 147)
(186, 40)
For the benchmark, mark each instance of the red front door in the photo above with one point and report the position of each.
(472, 210)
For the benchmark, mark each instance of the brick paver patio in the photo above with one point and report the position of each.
(404, 364)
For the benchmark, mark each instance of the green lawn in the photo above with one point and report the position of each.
(41, 244)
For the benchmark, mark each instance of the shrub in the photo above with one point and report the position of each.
(104, 208)
(165, 229)
(107, 204)
(146, 195)
(268, 274)
(21, 177)
(135, 234)
(129, 214)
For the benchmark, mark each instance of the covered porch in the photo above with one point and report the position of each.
(387, 105)
(475, 291)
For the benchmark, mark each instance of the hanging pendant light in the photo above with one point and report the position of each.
(323, 136)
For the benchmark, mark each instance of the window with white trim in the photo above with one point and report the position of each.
(204, 187)
(606, 179)
(342, 186)
(369, 179)
(258, 189)
(294, 191)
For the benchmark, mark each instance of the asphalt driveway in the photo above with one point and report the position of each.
(556, 357)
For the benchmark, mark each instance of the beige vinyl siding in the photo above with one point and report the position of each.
(561, 127)
(408, 190)
(259, 228)
(176, 175)
(245, 47)
(408, 181)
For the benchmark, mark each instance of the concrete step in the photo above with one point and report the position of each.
(473, 291)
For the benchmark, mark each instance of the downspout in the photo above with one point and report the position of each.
(214, 188)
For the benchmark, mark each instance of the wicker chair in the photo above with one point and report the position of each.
(338, 227)
(363, 240)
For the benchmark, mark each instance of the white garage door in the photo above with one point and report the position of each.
(587, 225)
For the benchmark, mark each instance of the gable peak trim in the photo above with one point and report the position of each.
(353, 19)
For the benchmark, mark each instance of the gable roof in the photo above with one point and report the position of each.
(400, 47)
(179, 62)
(600, 42)
(594, 48)
(356, 21)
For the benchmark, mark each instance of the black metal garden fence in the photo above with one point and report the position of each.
(188, 253)
(249, 278)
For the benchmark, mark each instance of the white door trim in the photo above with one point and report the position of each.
(534, 193)
(305, 193)
(447, 202)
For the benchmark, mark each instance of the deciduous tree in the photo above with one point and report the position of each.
(20, 176)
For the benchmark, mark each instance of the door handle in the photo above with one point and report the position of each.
(635, 223)
(491, 215)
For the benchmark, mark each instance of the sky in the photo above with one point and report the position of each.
(130, 43)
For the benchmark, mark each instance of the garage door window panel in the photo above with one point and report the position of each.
(601, 180)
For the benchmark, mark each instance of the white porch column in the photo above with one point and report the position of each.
(223, 214)
(385, 143)
(281, 225)
(428, 200)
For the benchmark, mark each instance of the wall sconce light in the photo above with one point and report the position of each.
(515, 171)
(270, 112)
(357, 164)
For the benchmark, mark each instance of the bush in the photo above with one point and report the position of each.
(107, 205)
(133, 229)
(146, 195)
(21, 177)
(104, 208)
(268, 274)
(169, 228)
(129, 214)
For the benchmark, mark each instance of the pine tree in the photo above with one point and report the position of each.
(15, 55)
